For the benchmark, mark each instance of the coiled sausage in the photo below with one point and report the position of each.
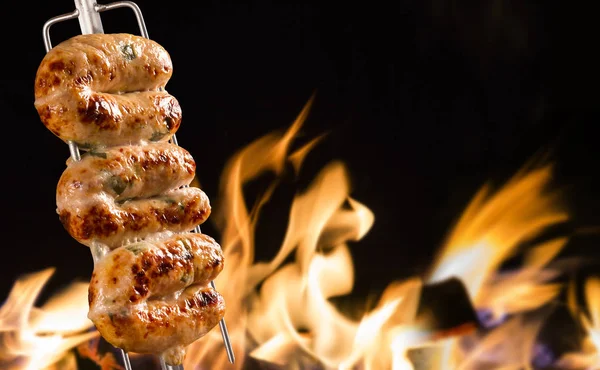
(127, 193)
(151, 297)
(106, 93)
(106, 90)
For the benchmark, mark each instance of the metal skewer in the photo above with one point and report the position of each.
(88, 14)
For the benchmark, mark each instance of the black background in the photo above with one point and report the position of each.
(423, 100)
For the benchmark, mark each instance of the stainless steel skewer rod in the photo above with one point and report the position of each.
(89, 18)
(88, 14)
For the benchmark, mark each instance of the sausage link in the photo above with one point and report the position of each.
(107, 90)
(125, 172)
(101, 220)
(136, 297)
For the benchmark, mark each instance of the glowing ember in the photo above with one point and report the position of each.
(280, 312)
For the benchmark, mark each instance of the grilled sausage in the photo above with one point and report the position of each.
(106, 93)
(107, 90)
(127, 193)
(154, 297)
(96, 218)
(125, 172)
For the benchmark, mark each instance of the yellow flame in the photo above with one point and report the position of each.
(282, 311)
(592, 293)
(36, 338)
(490, 231)
(237, 224)
(284, 308)
(494, 225)
(527, 288)
(589, 355)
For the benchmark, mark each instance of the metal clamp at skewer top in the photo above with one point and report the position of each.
(88, 14)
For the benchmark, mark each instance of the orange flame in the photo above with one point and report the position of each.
(38, 338)
(589, 356)
(280, 311)
(490, 231)
(494, 226)
(284, 312)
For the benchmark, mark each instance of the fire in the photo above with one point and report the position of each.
(492, 227)
(271, 324)
(489, 232)
(42, 338)
(592, 325)
(280, 312)
(589, 356)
